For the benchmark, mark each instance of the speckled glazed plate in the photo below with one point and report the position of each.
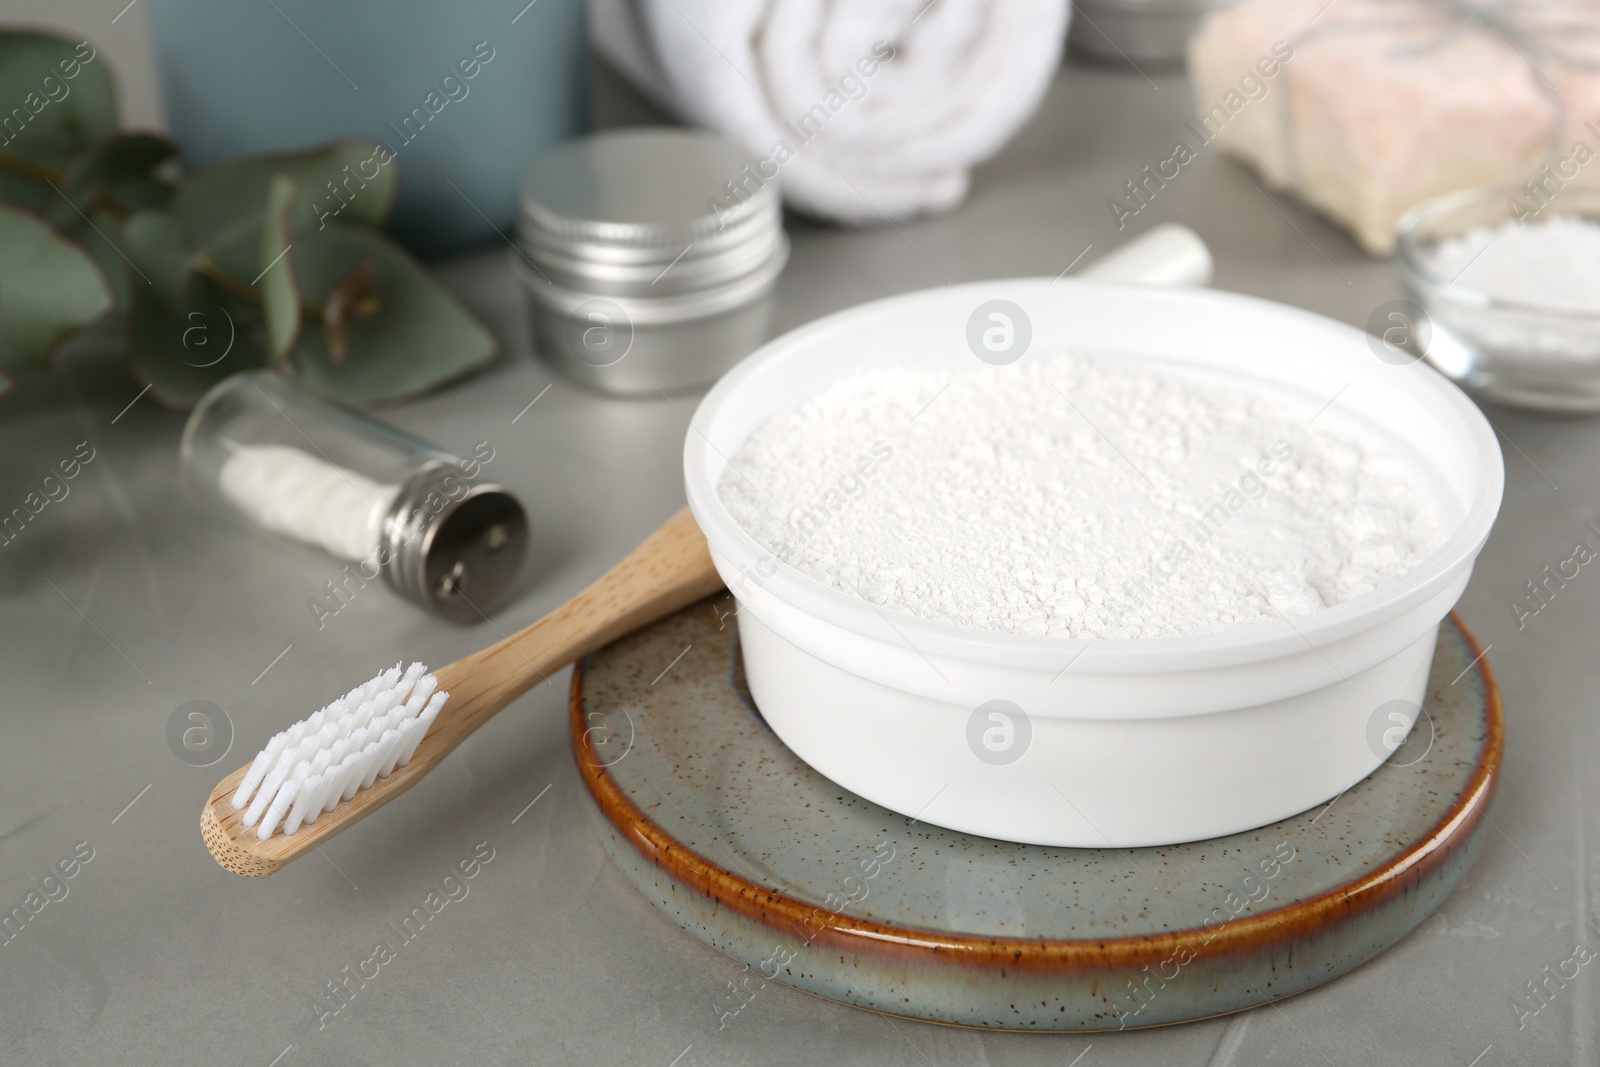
(734, 839)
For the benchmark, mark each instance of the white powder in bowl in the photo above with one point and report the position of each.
(1075, 498)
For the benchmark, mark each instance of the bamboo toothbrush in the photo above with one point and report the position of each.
(339, 765)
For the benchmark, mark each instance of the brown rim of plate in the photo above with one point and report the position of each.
(1247, 935)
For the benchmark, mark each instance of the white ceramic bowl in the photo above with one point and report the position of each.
(1140, 742)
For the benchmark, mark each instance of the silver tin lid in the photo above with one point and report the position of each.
(455, 553)
(650, 213)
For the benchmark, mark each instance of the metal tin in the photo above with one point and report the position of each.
(1150, 32)
(265, 450)
(648, 257)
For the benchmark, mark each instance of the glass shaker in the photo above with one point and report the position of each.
(363, 492)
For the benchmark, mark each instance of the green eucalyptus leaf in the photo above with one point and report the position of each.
(403, 333)
(153, 241)
(96, 238)
(49, 288)
(23, 186)
(185, 332)
(57, 97)
(240, 256)
(99, 187)
(353, 181)
(119, 173)
(280, 290)
(182, 348)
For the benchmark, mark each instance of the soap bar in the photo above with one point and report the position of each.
(1384, 104)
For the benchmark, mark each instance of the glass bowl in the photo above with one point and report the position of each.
(1523, 353)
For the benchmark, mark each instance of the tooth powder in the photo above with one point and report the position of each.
(1075, 498)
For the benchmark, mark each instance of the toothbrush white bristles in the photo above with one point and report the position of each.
(334, 753)
(402, 724)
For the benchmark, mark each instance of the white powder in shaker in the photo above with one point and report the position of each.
(1551, 264)
(1075, 498)
(305, 497)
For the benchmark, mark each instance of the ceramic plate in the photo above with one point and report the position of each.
(752, 852)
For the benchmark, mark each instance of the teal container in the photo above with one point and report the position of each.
(466, 94)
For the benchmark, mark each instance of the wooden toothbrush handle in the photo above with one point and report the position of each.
(670, 570)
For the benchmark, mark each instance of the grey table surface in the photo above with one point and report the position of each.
(123, 601)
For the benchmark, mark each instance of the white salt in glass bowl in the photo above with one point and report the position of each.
(1517, 353)
(1102, 742)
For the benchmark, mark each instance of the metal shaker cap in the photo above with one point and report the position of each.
(452, 547)
(649, 212)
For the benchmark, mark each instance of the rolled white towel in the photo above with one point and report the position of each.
(864, 110)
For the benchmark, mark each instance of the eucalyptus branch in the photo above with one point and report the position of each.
(193, 236)
(30, 169)
(207, 267)
(210, 269)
